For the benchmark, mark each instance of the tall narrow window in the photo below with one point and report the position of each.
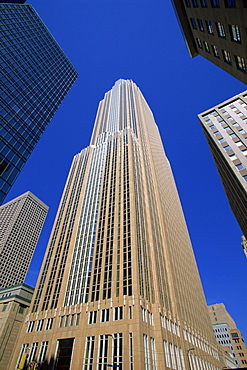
(220, 29)
(64, 354)
(131, 355)
(209, 26)
(153, 352)
(167, 356)
(117, 350)
(89, 352)
(172, 356)
(200, 25)
(22, 351)
(146, 353)
(32, 351)
(42, 351)
(204, 3)
(227, 56)
(230, 3)
(103, 351)
(240, 63)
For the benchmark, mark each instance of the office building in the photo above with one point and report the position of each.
(216, 30)
(37, 75)
(119, 285)
(227, 334)
(225, 128)
(21, 221)
(239, 346)
(14, 302)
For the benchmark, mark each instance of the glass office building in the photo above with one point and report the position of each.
(37, 75)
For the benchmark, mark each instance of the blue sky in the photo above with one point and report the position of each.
(141, 40)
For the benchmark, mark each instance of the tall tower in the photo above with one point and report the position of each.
(21, 221)
(119, 284)
(37, 76)
(225, 128)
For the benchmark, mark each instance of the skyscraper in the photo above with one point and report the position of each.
(37, 75)
(21, 221)
(119, 284)
(225, 128)
(216, 29)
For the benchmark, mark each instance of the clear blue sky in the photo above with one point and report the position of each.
(141, 40)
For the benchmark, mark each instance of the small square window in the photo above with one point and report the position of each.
(227, 148)
(240, 166)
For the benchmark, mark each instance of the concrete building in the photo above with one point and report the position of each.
(14, 302)
(239, 346)
(21, 221)
(37, 76)
(216, 30)
(225, 128)
(119, 285)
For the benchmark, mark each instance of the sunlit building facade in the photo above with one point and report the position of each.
(37, 76)
(119, 285)
(225, 128)
(216, 30)
(21, 221)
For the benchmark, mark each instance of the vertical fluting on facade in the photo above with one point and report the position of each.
(119, 278)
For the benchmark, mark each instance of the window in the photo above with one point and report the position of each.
(30, 326)
(144, 315)
(39, 325)
(206, 45)
(150, 315)
(199, 43)
(209, 26)
(4, 307)
(240, 62)
(200, 25)
(166, 350)
(216, 133)
(235, 32)
(244, 152)
(227, 148)
(238, 143)
(220, 29)
(242, 132)
(239, 167)
(21, 309)
(204, 3)
(42, 351)
(233, 157)
(193, 23)
(222, 140)
(227, 56)
(233, 135)
(89, 352)
(92, 319)
(118, 313)
(227, 128)
(187, 2)
(215, 3)
(230, 3)
(105, 315)
(212, 127)
(215, 51)
(194, 3)
(49, 324)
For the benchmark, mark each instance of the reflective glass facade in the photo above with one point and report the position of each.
(36, 76)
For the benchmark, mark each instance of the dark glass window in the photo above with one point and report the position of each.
(215, 3)
(193, 23)
(240, 63)
(64, 353)
(209, 26)
(187, 2)
(204, 3)
(230, 3)
(235, 32)
(194, 3)
(200, 25)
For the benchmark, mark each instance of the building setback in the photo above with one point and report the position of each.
(216, 30)
(119, 283)
(14, 302)
(225, 128)
(37, 76)
(21, 221)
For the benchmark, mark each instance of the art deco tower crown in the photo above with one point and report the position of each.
(119, 283)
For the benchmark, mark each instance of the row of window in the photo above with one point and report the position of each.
(169, 325)
(239, 61)
(213, 3)
(233, 29)
(39, 325)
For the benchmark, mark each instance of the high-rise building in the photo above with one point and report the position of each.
(37, 75)
(244, 245)
(14, 302)
(21, 221)
(225, 128)
(119, 285)
(216, 29)
(227, 334)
